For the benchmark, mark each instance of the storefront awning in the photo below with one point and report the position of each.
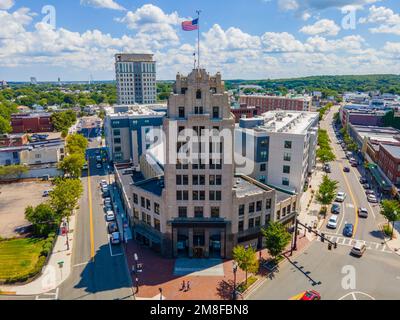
(379, 177)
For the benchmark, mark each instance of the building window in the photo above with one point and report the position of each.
(278, 214)
(117, 140)
(182, 195)
(263, 167)
(241, 226)
(142, 202)
(117, 149)
(198, 94)
(294, 206)
(251, 207)
(218, 195)
(257, 221)
(182, 212)
(214, 212)
(117, 132)
(288, 144)
(143, 217)
(284, 212)
(135, 198)
(251, 223)
(148, 219)
(156, 208)
(285, 181)
(215, 113)
(136, 213)
(148, 204)
(268, 204)
(287, 156)
(267, 218)
(181, 111)
(212, 195)
(198, 212)
(259, 206)
(195, 196)
(241, 210)
(157, 224)
(178, 180)
(198, 110)
(286, 169)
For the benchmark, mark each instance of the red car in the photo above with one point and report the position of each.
(311, 295)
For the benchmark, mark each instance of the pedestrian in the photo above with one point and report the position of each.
(183, 285)
(188, 286)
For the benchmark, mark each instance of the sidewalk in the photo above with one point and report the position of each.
(52, 275)
(310, 208)
(394, 244)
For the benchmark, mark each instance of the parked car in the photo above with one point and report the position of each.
(366, 186)
(112, 227)
(341, 196)
(348, 230)
(98, 158)
(115, 238)
(358, 249)
(107, 201)
(103, 183)
(110, 216)
(346, 169)
(371, 198)
(349, 154)
(327, 168)
(85, 166)
(108, 207)
(362, 213)
(370, 192)
(335, 208)
(46, 193)
(99, 166)
(310, 295)
(363, 180)
(354, 164)
(332, 222)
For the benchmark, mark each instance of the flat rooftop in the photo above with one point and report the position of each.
(135, 111)
(384, 134)
(393, 150)
(295, 122)
(245, 187)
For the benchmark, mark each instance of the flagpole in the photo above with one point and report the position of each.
(198, 39)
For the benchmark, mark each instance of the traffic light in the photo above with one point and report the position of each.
(335, 245)
(309, 229)
(329, 246)
(322, 237)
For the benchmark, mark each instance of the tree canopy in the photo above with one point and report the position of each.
(276, 238)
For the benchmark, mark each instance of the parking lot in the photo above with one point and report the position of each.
(14, 198)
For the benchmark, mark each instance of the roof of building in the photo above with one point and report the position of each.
(134, 111)
(153, 185)
(393, 150)
(245, 186)
(380, 134)
(295, 122)
(288, 97)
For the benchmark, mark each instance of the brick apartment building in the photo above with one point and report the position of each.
(389, 161)
(13, 140)
(31, 122)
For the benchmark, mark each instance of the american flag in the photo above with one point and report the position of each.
(190, 25)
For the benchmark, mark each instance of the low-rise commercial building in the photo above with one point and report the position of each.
(271, 103)
(31, 122)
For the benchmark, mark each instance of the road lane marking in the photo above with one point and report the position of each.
(80, 264)
(352, 199)
(90, 215)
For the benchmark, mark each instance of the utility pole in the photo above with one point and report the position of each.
(320, 235)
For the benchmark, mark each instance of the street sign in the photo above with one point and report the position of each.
(60, 264)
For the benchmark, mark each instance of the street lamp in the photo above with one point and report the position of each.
(235, 267)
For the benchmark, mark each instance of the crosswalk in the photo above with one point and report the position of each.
(349, 242)
(52, 295)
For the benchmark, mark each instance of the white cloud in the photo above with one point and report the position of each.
(389, 22)
(392, 47)
(14, 23)
(6, 4)
(107, 4)
(281, 42)
(323, 27)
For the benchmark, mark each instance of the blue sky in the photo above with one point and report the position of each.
(247, 39)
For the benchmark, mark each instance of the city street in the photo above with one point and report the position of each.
(377, 275)
(364, 228)
(99, 269)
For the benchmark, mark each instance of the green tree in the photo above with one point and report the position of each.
(325, 155)
(65, 196)
(276, 238)
(72, 165)
(76, 143)
(43, 219)
(246, 259)
(5, 126)
(390, 209)
(13, 171)
(326, 192)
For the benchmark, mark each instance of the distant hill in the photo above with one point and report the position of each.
(386, 83)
